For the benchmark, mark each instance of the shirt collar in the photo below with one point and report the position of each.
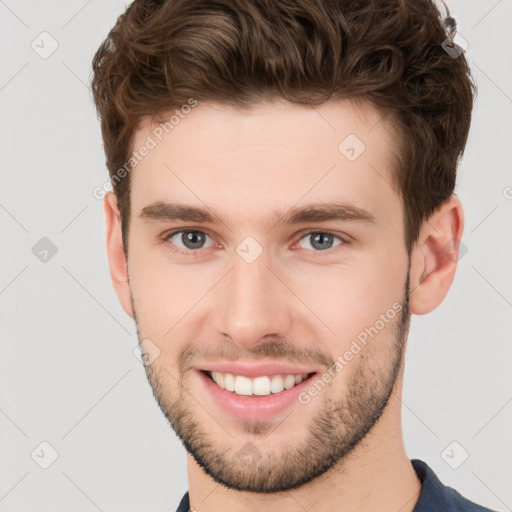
(433, 495)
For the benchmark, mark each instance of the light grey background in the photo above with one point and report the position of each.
(68, 373)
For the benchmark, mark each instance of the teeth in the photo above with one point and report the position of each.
(229, 380)
(289, 381)
(259, 386)
(219, 379)
(276, 384)
(243, 385)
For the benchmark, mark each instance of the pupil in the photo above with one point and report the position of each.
(320, 238)
(193, 239)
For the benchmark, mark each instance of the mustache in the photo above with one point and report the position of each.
(276, 349)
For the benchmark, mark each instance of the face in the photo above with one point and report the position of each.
(268, 278)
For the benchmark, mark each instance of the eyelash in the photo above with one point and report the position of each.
(175, 249)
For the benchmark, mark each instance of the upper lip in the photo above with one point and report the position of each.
(253, 370)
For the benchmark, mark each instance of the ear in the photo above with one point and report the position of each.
(115, 250)
(435, 255)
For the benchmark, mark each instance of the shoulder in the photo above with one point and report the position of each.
(437, 497)
(184, 504)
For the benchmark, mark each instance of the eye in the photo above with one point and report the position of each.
(187, 240)
(320, 240)
(190, 240)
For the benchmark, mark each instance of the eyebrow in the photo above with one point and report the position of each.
(318, 212)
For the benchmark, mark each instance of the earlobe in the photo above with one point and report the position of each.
(115, 251)
(435, 256)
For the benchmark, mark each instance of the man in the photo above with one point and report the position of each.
(283, 202)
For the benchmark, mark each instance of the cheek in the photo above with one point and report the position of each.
(348, 297)
(167, 296)
(155, 300)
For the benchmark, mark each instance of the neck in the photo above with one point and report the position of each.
(376, 475)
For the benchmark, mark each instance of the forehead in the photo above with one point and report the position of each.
(223, 128)
(275, 152)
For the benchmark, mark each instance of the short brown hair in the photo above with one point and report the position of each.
(161, 53)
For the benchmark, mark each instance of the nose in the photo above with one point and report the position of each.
(252, 303)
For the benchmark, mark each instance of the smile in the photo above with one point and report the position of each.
(259, 386)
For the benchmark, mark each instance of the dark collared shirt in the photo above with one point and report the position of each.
(434, 496)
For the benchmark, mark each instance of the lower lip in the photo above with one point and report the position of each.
(254, 407)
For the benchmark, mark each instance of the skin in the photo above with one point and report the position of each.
(294, 301)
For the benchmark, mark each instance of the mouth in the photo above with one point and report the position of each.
(262, 385)
(255, 393)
